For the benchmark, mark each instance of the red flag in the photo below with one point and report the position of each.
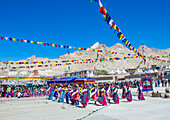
(21, 40)
(44, 44)
(112, 25)
(102, 10)
(2, 37)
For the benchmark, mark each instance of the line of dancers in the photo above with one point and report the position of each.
(103, 94)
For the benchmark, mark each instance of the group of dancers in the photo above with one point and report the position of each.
(103, 94)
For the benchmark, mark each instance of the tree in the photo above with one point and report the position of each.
(102, 72)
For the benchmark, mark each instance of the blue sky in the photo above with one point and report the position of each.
(78, 23)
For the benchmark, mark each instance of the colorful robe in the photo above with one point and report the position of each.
(51, 94)
(93, 94)
(101, 98)
(85, 97)
(60, 95)
(140, 94)
(124, 92)
(56, 93)
(115, 96)
(129, 94)
(108, 92)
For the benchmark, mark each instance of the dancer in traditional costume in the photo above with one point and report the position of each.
(76, 95)
(108, 92)
(60, 93)
(84, 98)
(89, 92)
(129, 94)
(51, 93)
(140, 93)
(94, 93)
(101, 98)
(124, 91)
(71, 91)
(55, 93)
(67, 96)
(115, 95)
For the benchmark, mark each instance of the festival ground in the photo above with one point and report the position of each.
(40, 108)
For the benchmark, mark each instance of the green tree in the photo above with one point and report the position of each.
(102, 72)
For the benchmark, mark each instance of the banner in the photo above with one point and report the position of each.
(146, 84)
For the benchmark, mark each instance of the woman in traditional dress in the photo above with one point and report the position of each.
(108, 92)
(60, 93)
(140, 93)
(94, 93)
(76, 95)
(71, 90)
(129, 94)
(124, 91)
(56, 93)
(51, 93)
(84, 98)
(101, 98)
(115, 95)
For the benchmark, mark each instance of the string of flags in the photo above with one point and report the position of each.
(72, 63)
(156, 58)
(59, 61)
(139, 65)
(40, 43)
(57, 45)
(117, 30)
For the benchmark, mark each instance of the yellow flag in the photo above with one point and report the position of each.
(41, 43)
(32, 42)
(96, 50)
(53, 45)
(115, 27)
(14, 39)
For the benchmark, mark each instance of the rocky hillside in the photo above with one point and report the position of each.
(106, 65)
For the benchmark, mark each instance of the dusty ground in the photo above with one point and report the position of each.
(41, 109)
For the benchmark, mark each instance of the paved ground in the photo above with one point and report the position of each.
(41, 109)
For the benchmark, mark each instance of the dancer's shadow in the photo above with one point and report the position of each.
(79, 106)
(134, 100)
(91, 103)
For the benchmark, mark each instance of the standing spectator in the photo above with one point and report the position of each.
(0, 91)
(165, 83)
(162, 81)
(156, 83)
(135, 84)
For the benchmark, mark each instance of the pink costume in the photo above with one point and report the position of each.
(101, 98)
(115, 96)
(140, 94)
(85, 97)
(129, 94)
